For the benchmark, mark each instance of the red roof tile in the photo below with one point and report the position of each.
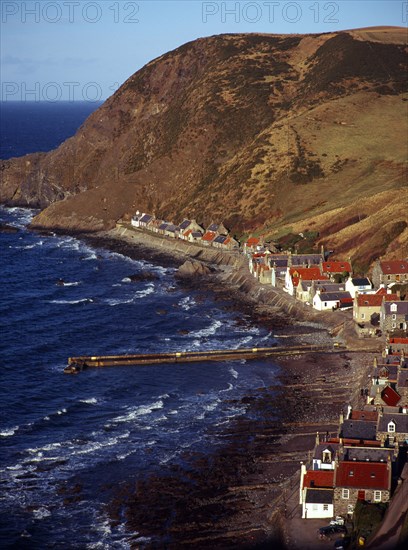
(208, 236)
(369, 300)
(390, 396)
(363, 475)
(364, 415)
(394, 267)
(252, 241)
(336, 267)
(399, 341)
(318, 478)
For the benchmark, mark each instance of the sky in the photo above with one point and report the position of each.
(80, 50)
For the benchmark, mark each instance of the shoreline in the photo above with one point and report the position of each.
(253, 480)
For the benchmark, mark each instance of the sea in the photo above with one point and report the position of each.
(62, 297)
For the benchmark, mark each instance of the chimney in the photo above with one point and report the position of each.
(317, 438)
(375, 362)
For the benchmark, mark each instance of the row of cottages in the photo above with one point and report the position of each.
(216, 235)
(389, 272)
(364, 461)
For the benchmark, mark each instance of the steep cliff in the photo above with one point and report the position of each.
(264, 132)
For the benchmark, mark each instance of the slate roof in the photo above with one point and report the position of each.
(184, 224)
(400, 420)
(196, 234)
(402, 308)
(402, 379)
(358, 429)
(363, 475)
(146, 218)
(367, 454)
(318, 478)
(300, 259)
(220, 239)
(319, 496)
(394, 267)
(332, 447)
(163, 226)
(361, 281)
(335, 296)
(172, 228)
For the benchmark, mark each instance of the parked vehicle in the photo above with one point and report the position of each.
(328, 532)
(338, 520)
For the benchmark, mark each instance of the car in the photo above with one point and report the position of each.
(338, 520)
(343, 543)
(326, 533)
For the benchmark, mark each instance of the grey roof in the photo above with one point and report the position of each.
(184, 224)
(330, 287)
(220, 239)
(362, 281)
(367, 454)
(146, 218)
(358, 429)
(163, 226)
(319, 496)
(334, 296)
(300, 259)
(400, 420)
(213, 227)
(402, 380)
(392, 371)
(197, 234)
(332, 447)
(402, 308)
(172, 228)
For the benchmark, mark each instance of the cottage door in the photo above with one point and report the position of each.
(361, 495)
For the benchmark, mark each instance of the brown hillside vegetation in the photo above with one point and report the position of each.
(272, 134)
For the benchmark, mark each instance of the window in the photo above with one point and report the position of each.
(391, 427)
(315, 507)
(363, 315)
(394, 316)
(393, 307)
(393, 325)
(351, 473)
(345, 493)
(377, 496)
(326, 506)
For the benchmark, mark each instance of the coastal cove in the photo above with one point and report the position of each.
(254, 435)
(245, 487)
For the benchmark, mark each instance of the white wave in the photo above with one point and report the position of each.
(75, 283)
(209, 331)
(89, 401)
(186, 303)
(118, 301)
(16, 467)
(41, 513)
(212, 406)
(62, 411)
(49, 447)
(146, 292)
(228, 388)
(141, 410)
(9, 431)
(92, 256)
(233, 372)
(126, 280)
(72, 302)
(173, 412)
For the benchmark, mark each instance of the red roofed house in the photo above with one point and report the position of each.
(369, 481)
(252, 244)
(391, 271)
(295, 274)
(208, 237)
(316, 493)
(335, 268)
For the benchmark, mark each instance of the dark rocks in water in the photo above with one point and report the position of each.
(60, 282)
(161, 311)
(4, 228)
(183, 332)
(193, 268)
(143, 276)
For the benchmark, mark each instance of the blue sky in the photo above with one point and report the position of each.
(83, 50)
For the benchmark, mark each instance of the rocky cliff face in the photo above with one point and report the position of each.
(260, 131)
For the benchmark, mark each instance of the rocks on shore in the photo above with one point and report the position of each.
(193, 268)
(4, 228)
(142, 277)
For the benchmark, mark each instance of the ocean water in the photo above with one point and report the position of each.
(109, 426)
